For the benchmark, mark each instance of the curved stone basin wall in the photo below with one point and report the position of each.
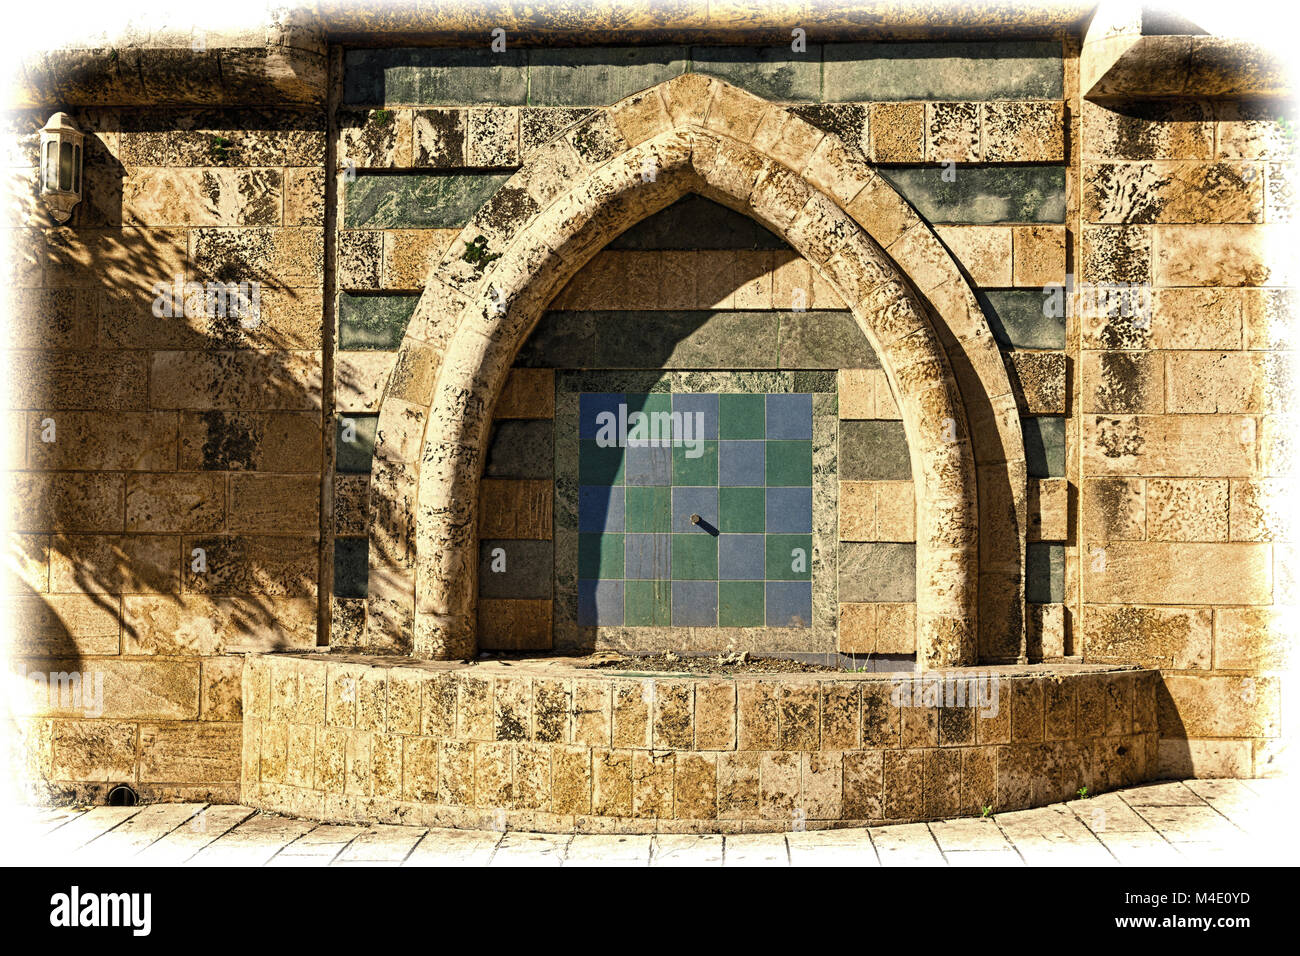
(543, 745)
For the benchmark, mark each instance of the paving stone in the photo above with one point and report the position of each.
(756, 849)
(687, 849)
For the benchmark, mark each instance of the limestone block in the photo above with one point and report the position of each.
(1023, 132)
(1048, 509)
(492, 137)
(1205, 706)
(1177, 638)
(1039, 381)
(1123, 382)
(1167, 192)
(984, 251)
(1155, 129)
(274, 503)
(1157, 572)
(1038, 255)
(375, 139)
(1221, 255)
(64, 501)
(952, 132)
(897, 132)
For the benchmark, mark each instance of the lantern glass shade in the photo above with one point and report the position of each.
(61, 152)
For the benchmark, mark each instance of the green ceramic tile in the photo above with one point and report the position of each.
(599, 466)
(647, 603)
(789, 463)
(649, 509)
(696, 471)
(788, 557)
(648, 403)
(741, 510)
(600, 556)
(695, 557)
(740, 603)
(741, 416)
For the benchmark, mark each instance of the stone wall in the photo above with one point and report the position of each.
(1183, 562)
(545, 746)
(164, 487)
(1155, 448)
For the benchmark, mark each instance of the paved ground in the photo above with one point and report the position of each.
(1165, 824)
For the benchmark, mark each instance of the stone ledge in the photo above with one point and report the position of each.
(544, 744)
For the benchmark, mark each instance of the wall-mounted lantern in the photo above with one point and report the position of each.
(61, 156)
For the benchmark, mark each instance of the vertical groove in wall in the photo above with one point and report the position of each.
(325, 589)
(1073, 617)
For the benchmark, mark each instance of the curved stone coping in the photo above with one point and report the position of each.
(545, 745)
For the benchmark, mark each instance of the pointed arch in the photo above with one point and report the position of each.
(593, 181)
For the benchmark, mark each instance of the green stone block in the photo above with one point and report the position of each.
(374, 321)
(354, 443)
(599, 76)
(773, 72)
(740, 604)
(351, 570)
(788, 557)
(1045, 573)
(417, 200)
(741, 416)
(788, 463)
(600, 556)
(1009, 70)
(982, 194)
(649, 509)
(518, 569)
(873, 572)
(599, 465)
(434, 76)
(647, 603)
(1044, 446)
(695, 557)
(685, 339)
(694, 222)
(1019, 318)
(823, 340)
(742, 510)
(521, 449)
(696, 471)
(873, 451)
(561, 340)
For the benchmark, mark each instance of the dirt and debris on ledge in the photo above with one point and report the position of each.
(669, 662)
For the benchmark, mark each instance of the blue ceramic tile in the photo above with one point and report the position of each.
(647, 556)
(700, 501)
(648, 466)
(695, 603)
(591, 405)
(740, 557)
(703, 410)
(600, 602)
(789, 604)
(740, 463)
(600, 508)
(789, 510)
(789, 416)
